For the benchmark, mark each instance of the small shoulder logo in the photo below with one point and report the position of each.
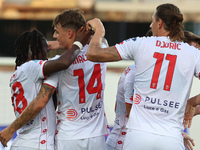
(40, 62)
(131, 98)
(71, 114)
(121, 43)
(137, 99)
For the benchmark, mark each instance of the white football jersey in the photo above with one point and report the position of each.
(124, 95)
(163, 79)
(25, 84)
(80, 94)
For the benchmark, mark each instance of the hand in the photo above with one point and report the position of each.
(83, 35)
(5, 135)
(197, 110)
(95, 24)
(53, 45)
(188, 141)
(189, 113)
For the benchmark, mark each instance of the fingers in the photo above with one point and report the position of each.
(189, 146)
(84, 30)
(185, 124)
(81, 29)
(3, 141)
(190, 140)
(190, 123)
(88, 26)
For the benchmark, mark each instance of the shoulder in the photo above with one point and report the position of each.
(35, 62)
(140, 40)
(189, 48)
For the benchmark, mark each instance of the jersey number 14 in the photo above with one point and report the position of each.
(96, 75)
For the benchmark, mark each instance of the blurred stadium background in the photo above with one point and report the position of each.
(122, 19)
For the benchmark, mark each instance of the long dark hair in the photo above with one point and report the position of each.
(28, 42)
(173, 19)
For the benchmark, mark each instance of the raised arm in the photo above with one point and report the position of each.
(67, 58)
(95, 53)
(31, 111)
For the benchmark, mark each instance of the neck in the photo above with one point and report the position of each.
(164, 33)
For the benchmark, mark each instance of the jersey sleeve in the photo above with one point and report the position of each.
(52, 80)
(129, 85)
(128, 48)
(34, 69)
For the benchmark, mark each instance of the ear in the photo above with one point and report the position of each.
(70, 34)
(160, 24)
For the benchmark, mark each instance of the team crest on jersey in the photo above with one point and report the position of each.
(13, 77)
(71, 114)
(121, 43)
(137, 99)
(131, 98)
(134, 39)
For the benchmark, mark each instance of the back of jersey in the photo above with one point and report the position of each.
(164, 74)
(25, 85)
(80, 100)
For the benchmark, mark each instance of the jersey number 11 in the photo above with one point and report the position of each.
(157, 68)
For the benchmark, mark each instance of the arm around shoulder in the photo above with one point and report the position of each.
(67, 58)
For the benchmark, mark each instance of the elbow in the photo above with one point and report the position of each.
(89, 57)
(65, 65)
(92, 57)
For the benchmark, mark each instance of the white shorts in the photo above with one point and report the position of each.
(139, 140)
(94, 143)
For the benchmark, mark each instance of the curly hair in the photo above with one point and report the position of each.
(28, 42)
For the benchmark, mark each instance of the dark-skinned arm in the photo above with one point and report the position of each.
(128, 109)
(55, 99)
(31, 111)
(68, 57)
